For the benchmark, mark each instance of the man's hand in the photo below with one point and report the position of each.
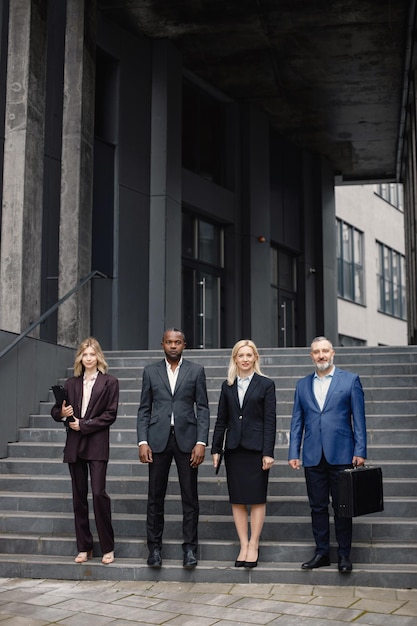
(294, 463)
(197, 455)
(215, 458)
(145, 453)
(357, 461)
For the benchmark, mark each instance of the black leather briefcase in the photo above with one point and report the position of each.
(360, 491)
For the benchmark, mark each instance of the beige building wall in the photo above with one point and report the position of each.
(362, 208)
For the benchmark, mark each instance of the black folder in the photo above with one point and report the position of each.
(60, 394)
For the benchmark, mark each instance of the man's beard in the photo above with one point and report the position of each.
(324, 365)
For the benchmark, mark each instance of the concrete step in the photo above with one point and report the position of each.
(284, 408)
(218, 505)
(131, 379)
(37, 527)
(56, 434)
(123, 468)
(35, 449)
(286, 394)
(128, 422)
(290, 485)
(224, 552)
(371, 529)
(64, 568)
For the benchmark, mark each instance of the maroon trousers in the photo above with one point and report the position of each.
(101, 504)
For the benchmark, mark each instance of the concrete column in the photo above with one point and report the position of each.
(330, 324)
(20, 275)
(255, 251)
(77, 170)
(165, 201)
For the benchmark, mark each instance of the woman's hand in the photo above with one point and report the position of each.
(267, 462)
(216, 458)
(75, 425)
(66, 411)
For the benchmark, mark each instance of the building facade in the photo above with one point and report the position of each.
(371, 265)
(189, 207)
(186, 206)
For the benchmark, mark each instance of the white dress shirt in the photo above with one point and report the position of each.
(321, 386)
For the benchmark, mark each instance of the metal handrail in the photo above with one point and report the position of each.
(49, 312)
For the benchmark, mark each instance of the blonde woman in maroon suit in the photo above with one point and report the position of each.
(90, 410)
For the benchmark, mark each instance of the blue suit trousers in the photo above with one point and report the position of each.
(322, 482)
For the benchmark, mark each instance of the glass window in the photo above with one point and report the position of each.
(208, 243)
(392, 193)
(345, 340)
(188, 236)
(349, 249)
(202, 240)
(206, 144)
(391, 282)
(286, 267)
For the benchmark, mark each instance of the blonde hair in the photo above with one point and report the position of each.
(90, 342)
(232, 371)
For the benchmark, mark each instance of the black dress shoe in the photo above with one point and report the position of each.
(240, 563)
(319, 560)
(154, 558)
(190, 560)
(345, 565)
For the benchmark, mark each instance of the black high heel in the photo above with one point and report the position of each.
(252, 563)
(240, 563)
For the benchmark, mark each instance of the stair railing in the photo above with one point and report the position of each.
(49, 312)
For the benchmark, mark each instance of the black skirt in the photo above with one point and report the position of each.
(247, 482)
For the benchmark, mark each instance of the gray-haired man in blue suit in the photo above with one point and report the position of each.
(329, 412)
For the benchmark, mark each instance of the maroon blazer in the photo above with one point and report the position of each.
(91, 442)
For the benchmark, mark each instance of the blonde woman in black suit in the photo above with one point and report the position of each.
(246, 423)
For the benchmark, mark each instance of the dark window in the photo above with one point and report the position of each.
(391, 282)
(345, 340)
(206, 148)
(350, 279)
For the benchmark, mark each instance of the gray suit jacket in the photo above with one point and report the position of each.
(189, 404)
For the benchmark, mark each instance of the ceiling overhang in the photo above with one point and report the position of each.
(332, 76)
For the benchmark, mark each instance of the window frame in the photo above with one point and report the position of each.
(391, 280)
(350, 269)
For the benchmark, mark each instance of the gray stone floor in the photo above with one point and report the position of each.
(27, 602)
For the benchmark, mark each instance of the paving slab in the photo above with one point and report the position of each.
(41, 602)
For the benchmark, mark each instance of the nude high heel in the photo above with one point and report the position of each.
(83, 557)
(108, 558)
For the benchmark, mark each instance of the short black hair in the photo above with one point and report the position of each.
(173, 330)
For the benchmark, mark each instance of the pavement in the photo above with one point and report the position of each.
(33, 602)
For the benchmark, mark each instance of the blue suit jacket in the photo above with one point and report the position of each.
(338, 431)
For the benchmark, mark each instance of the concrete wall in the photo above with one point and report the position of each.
(26, 375)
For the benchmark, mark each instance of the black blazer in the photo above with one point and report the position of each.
(92, 441)
(189, 404)
(254, 425)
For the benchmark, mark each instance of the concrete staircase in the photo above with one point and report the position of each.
(36, 521)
